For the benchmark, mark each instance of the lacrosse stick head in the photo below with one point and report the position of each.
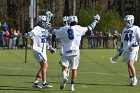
(112, 60)
(48, 16)
(48, 19)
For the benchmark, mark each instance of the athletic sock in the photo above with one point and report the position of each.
(36, 81)
(44, 82)
(130, 76)
(72, 82)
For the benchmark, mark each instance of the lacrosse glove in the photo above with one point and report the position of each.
(97, 18)
(52, 50)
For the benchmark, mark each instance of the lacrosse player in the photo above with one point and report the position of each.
(70, 38)
(64, 24)
(130, 35)
(39, 35)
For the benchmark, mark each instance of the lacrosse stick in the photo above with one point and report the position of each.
(114, 59)
(25, 50)
(27, 28)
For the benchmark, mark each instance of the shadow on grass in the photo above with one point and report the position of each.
(101, 84)
(17, 75)
(18, 88)
(26, 75)
(15, 88)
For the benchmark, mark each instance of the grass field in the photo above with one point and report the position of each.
(95, 73)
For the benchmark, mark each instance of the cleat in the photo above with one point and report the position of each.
(134, 83)
(63, 84)
(36, 85)
(72, 87)
(46, 85)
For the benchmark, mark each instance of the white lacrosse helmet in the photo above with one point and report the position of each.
(42, 21)
(73, 19)
(41, 18)
(129, 20)
(65, 20)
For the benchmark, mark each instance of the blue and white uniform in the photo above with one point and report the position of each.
(39, 36)
(130, 36)
(70, 38)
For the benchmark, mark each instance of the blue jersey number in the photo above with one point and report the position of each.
(43, 39)
(70, 34)
(128, 37)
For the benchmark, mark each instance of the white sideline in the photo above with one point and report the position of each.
(58, 71)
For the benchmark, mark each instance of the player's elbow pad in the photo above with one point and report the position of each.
(92, 26)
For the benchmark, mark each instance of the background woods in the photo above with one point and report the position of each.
(16, 12)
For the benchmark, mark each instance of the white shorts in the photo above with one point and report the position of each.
(133, 55)
(39, 56)
(72, 61)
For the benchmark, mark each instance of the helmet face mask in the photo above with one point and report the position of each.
(129, 20)
(65, 23)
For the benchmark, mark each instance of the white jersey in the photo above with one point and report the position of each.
(57, 36)
(130, 36)
(70, 38)
(39, 35)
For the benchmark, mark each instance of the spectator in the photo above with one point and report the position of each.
(99, 39)
(105, 40)
(95, 39)
(5, 27)
(115, 38)
(1, 39)
(18, 37)
(89, 37)
(23, 40)
(6, 39)
(11, 38)
(15, 35)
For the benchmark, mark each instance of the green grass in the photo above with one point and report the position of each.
(95, 73)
